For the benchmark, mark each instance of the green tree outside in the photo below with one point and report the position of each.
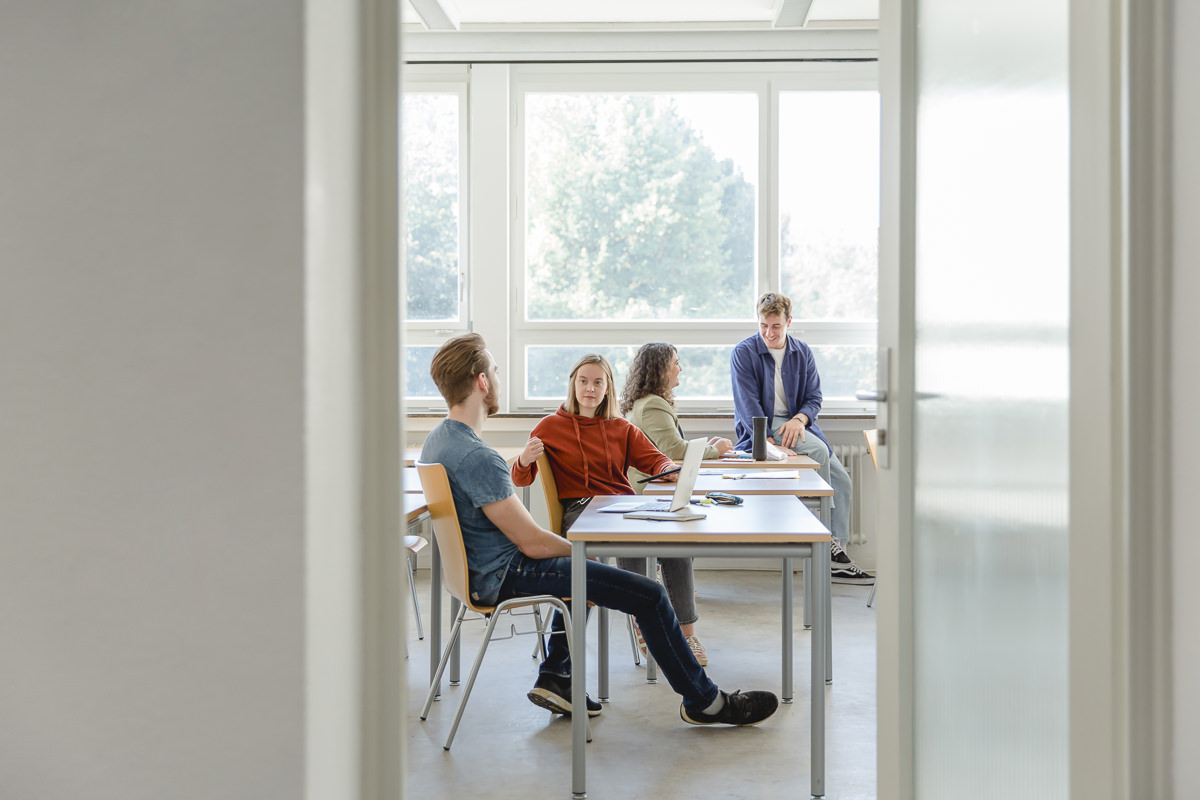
(429, 133)
(631, 215)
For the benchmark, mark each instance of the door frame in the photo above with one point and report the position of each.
(1119, 583)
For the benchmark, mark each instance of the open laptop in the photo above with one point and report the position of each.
(683, 488)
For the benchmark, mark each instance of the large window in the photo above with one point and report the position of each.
(432, 120)
(650, 203)
(640, 206)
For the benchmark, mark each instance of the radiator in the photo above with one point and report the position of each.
(854, 458)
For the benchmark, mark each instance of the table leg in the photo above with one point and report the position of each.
(602, 657)
(435, 612)
(788, 587)
(651, 667)
(829, 632)
(827, 521)
(578, 671)
(820, 569)
(806, 566)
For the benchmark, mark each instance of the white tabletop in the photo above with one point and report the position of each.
(791, 462)
(757, 522)
(414, 506)
(807, 483)
(410, 481)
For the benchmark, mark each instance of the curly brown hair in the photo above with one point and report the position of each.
(648, 374)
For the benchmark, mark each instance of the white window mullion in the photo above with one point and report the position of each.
(768, 226)
(488, 272)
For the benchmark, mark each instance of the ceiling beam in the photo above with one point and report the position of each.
(791, 13)
(436, 15)
(793, 44)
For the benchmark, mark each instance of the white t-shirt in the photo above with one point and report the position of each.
(781, 406)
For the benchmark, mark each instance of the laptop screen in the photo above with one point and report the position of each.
(688, 473)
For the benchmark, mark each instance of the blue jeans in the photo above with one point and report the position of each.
(834, 474)
(622, 591)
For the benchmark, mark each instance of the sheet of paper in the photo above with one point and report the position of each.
(792, 474)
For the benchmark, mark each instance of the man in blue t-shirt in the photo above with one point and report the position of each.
(775, 376)
(510, 555)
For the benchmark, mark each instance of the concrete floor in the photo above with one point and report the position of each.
(508, 748)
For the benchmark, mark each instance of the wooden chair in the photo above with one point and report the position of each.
(872, 437)
(554, 511)
(455, 577)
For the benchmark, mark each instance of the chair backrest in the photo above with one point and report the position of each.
(872, 437)
(436, 486)
(550, 490)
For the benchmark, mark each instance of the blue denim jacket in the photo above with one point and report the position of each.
(478, 476)
(753, 370)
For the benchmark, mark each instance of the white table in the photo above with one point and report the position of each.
(791, 462)
(765, 525)
(808, 484)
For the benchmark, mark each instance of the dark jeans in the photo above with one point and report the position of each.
(622, 591)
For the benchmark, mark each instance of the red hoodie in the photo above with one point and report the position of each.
(590, 456)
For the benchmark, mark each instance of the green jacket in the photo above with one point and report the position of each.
(658, 420)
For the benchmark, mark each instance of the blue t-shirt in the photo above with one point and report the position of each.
(478, 476)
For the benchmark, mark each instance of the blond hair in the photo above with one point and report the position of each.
(773, 303)
(608, 406)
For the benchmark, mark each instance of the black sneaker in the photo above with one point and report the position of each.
(749, 708)
(843, 570)
(554, 693)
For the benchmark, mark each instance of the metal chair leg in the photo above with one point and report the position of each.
(637, 655)
(487, 638)
(871, 599)
(462, 704)
(539, 647)
(412, 584)
(435, 684)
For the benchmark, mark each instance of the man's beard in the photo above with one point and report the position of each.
(491, 401)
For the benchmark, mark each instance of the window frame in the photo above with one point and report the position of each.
(492, 204)
(644, 77)
(447, 79)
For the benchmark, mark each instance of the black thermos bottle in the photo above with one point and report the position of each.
(758, 447)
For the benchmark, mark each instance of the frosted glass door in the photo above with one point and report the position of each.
(990, 423)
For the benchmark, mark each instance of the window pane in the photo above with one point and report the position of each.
(844, 369)
(547, 368)
(829, 203)
(417, 383)
(429, 135)
(705, 375)
(705, 370)
(640, 206)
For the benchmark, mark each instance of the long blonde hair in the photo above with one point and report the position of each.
(608, 406)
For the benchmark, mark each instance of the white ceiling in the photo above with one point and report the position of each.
(634, 14)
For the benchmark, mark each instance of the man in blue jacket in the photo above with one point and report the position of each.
(775, 376)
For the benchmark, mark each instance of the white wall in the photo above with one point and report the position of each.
(1185, 426)
(151, 400)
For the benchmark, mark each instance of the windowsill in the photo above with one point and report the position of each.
(511, 429)
(865, 415)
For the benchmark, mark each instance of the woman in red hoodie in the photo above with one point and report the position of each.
(590, 450)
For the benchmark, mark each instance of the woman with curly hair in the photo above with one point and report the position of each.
(648, 402)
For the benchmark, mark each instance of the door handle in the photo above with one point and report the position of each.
(880, 395)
